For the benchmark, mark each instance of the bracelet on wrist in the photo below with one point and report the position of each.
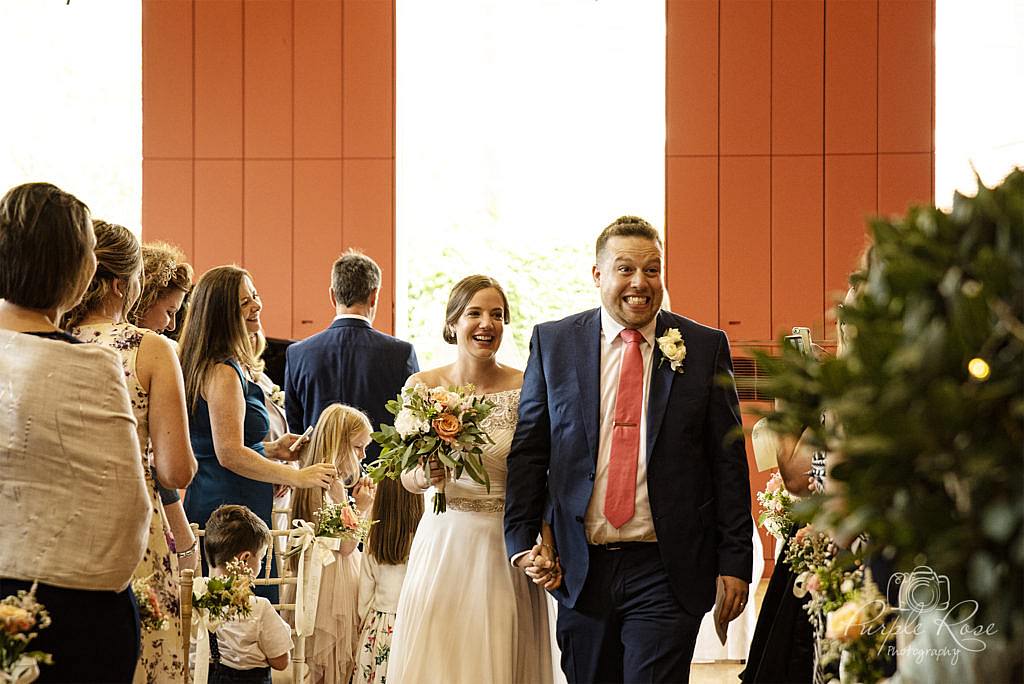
(190, 551)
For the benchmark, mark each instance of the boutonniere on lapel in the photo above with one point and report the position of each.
(672, 348)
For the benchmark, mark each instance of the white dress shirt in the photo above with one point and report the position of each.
(641, 526)
(362, 318)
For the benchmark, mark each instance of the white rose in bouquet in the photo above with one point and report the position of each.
(407, 424)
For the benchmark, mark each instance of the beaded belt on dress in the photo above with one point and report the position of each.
(493, 504)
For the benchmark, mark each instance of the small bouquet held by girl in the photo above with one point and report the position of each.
(436, 423)
(341, 521)
(21, 618)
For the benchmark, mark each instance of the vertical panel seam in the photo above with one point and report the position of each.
(341, 128)
(771, 167)
(878, 111)
(824, 165)
(718, 164)
(193, 160)
(291, 276)
(244, 165)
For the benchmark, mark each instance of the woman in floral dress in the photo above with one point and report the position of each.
(157, 394)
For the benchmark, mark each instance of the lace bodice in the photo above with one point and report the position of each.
(501, 426)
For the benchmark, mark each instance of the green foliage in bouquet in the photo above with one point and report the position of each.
(928, 401)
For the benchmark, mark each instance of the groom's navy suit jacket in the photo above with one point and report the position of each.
(350, 363)
(697, 478)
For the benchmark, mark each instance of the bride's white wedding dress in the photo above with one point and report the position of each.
(466, 615)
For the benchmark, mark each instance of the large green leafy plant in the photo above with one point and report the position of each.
(928, 401)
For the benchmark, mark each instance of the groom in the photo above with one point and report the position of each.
(638, 464)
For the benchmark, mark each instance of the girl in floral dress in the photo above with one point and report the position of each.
(397, 513)
(154, 382)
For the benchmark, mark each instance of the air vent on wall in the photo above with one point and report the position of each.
(749, 380)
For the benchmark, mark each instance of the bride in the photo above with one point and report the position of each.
(465, 614)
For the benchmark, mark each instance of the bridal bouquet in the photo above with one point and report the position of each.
(441, 423)
(151, 615)
(21, 618)
(776, 507)
(226, 597)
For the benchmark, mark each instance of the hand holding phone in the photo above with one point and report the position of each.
(302, 440)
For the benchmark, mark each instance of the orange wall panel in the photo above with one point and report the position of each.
(268, 79)
(691, 236)
(850, 201)
(368, 222)
(167, 78)
(317, 243)
(167, 201)
(746, 79)
(798, 36)
(268, 240)
(318, 78)
(691, 75)
(218, 79)
(906, 56)
(744, 264)
(797, 258)
(903, 180)
(368, 90)
(218, 214)
(851, 57)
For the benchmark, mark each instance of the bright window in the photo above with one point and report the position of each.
(72, 101)
(979, 93)
(523, 128)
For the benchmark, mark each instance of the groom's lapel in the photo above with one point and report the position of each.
(588, 374)
(661, 383)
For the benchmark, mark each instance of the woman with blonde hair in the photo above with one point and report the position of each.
(74, 515)
(158, 401)
(340, 438)
(228, 418)
(167, 280)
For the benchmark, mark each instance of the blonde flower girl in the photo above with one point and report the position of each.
(397, 512)
(340, 437)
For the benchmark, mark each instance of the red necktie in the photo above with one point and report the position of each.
(620, 498)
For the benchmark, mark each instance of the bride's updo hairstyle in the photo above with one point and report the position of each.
(164, 270)
(462, 295)
(44, 247)
(118, 257)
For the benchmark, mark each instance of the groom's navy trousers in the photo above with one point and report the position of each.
(626, 620)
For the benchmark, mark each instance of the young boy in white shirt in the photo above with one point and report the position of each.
(244, 650)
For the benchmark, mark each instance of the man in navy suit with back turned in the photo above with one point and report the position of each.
(350, 362)
(636, 466)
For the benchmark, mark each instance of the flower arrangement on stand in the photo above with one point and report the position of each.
(442, 423)
(21, 618)
(151, 614)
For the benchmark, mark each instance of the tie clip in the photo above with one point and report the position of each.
(618, 424)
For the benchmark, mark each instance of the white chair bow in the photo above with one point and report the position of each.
(307, 588)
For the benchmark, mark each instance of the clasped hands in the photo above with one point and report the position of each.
(542, 566)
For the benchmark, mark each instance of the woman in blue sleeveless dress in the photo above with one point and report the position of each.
(228, 419)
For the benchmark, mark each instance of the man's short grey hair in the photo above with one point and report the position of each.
(354, 277)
